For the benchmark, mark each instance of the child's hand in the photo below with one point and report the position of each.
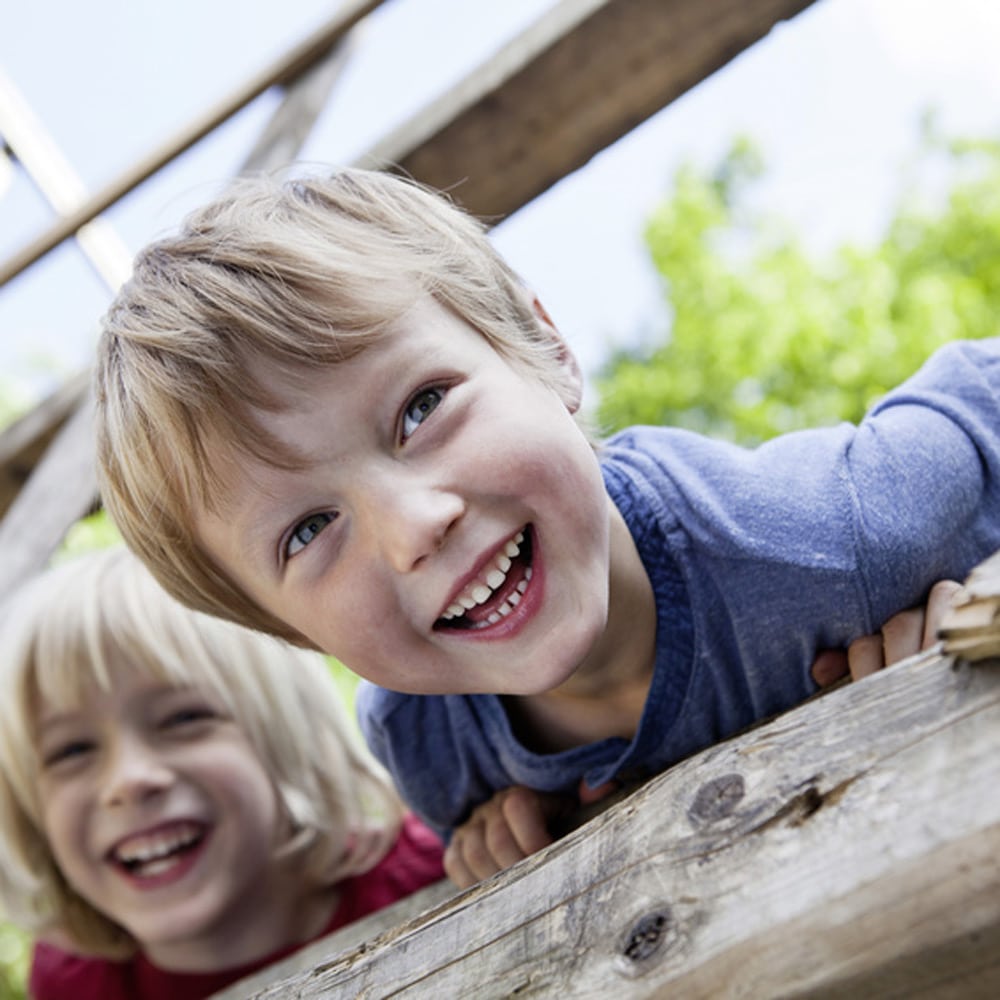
(500, 832)
(903, 635)
(513, 824)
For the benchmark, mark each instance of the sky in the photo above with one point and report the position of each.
(831, 98)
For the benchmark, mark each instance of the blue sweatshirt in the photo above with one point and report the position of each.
(758, 559)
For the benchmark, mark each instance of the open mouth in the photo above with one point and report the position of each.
(496, 591)
(152, 854)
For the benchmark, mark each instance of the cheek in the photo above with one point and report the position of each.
(568, 474)
(63, 827)
(244, 785)
(542, 443)
(353, 615)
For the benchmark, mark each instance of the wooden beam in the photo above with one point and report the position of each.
(971, 626)
(569, 86)
(23, 442)
(303, 102)
(850, 847)
(55, 178)
(61, 490)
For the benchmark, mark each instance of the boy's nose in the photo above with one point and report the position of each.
(414, 523)
(134, 773)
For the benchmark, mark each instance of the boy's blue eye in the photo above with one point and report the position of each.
(419, 408)
(305, 531)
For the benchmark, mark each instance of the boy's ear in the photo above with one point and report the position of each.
(570, 386)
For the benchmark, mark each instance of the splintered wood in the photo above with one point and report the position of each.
(971, 627)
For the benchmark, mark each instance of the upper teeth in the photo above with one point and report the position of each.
(490, 580)
(148, 847)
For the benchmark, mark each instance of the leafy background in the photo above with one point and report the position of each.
(764, 338)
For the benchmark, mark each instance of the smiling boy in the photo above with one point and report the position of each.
(174, 743)
(430, 435)
(330, 410)
(167, 823)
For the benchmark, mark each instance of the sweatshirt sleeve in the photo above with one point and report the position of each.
(880, 511)
(924, 475)
(818, 537)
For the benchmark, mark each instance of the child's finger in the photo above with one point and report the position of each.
(525, 815)
(829, 667)
(587, 795)
(469, 858)
(476, 852)
(501, 843)
(865, 656)
(902, 635)
(911, 631)
(456, 869)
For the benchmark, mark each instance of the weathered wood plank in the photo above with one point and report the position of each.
(971, 627)
(23, 442)
(53, 175)
(61, 490)
(303, 102)
(567, 87)
(848, 848)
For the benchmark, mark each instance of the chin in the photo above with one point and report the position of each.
(572, 659)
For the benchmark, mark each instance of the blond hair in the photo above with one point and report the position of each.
(272, 277)
(57, 638)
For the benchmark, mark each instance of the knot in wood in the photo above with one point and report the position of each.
(717, 798)
(646, 936)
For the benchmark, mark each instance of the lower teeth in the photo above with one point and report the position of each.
(157, 867)
(495, 616)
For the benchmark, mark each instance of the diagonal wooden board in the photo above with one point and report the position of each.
(23, 442)
(571, 84)
(61, 490)
(850, 847)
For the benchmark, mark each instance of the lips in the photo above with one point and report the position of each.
(495, 591)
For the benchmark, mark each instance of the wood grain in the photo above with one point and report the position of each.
(848, 848)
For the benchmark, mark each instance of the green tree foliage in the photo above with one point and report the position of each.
(763, 339)
(14, 947)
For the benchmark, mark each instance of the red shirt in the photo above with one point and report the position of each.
(413, 862)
